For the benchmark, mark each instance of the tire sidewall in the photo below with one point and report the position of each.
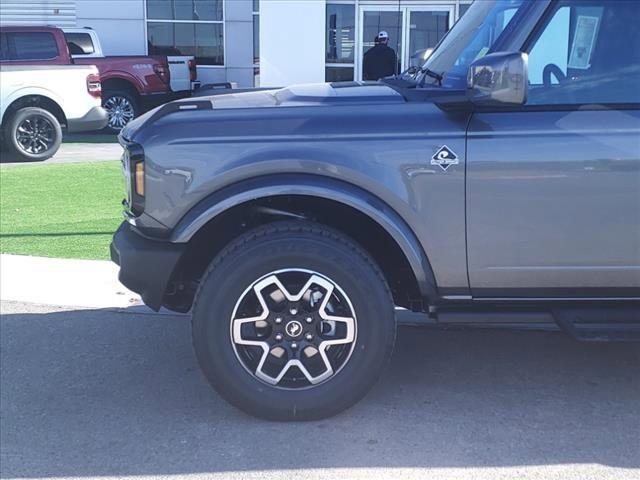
(16, 120)
(228, 281)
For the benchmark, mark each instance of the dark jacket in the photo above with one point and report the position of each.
(380, 61)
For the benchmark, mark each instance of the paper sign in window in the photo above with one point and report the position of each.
(583, 42)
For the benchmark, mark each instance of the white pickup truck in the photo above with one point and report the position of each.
(36, 101)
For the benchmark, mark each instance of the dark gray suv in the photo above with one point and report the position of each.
(497, 185)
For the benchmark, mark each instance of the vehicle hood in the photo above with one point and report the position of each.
(310, 94)
(321, 94)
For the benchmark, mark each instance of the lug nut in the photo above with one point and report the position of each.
(309, 337)
(294, 345)
(309, 320)
(278, 337)
(278, 320)
(293, 311)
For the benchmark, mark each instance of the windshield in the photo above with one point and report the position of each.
(470, 38)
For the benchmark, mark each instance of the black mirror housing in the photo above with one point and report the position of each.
(500, 78)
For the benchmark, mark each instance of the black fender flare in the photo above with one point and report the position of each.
(320, 187)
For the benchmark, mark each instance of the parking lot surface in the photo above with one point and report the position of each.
(73, 153)
(106, 393)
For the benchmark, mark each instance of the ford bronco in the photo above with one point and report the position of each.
(496, 185)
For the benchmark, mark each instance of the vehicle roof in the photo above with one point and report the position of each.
(29, 28)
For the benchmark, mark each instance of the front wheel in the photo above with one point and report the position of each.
(33, 134)
(293, 321)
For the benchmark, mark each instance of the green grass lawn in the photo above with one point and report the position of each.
(67, 211)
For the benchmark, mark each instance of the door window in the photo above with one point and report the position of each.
(587, 52)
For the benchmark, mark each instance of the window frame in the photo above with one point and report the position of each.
(222, 22)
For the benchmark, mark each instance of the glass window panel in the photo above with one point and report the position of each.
(160, 39)
(33, 45)
(338, 74)
(256, 39)
(375, 22)
(426, 29)
(463, 8)
(79, 43)
(4, 47)
(202, 40)
(209, 43)
(256, 5)
(198, 9)
(587, 54)
(159, 9)
(341, 21)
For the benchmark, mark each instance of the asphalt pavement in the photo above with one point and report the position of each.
(112, 393)
(76, 152)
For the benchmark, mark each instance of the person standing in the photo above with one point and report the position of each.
(380, 60)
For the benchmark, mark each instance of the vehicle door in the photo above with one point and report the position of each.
(553, 188)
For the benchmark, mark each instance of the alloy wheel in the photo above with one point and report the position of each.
(35, 134)
(293, 329)
(120, 111)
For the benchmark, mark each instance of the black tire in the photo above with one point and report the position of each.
(272, 248)
(32, 134)
(121, 106)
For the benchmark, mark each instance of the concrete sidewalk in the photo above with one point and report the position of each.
(63, 282)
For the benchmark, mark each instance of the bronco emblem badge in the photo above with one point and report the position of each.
(293, 329)
(444, 158)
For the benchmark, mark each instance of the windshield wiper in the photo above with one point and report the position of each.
(430, 73)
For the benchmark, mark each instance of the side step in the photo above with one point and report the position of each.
(606, 324)
(597, 323)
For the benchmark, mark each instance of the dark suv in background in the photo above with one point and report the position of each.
(498, 185)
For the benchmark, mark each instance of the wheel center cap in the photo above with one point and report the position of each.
(293, 329)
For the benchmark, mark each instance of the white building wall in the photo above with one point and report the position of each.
(292, 42)
(38, 12)
(119, 24)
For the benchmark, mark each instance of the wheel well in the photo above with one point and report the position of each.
(36, 101)
(119, 84)
(216, 234)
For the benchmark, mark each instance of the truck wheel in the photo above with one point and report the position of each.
(33, 134)
(293, 321)
(121, 106)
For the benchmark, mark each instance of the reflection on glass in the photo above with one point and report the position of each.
(375, 22)
(338, 74)
(341, 20)
(184, 10)
(426, 30)
(202, 40)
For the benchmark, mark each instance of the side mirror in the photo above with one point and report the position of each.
(499, 79)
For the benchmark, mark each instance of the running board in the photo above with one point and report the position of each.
(607, 324)
(594, 324)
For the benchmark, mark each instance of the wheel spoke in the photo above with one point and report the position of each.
(286, 352)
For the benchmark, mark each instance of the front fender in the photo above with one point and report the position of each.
(320, 187)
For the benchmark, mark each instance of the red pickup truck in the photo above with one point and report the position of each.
(130, 84)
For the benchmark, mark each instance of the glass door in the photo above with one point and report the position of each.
(413, 30)
(426, 27)
(373, 20)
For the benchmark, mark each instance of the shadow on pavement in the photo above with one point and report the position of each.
(96, 393)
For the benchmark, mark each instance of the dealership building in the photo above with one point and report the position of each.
(264, 43)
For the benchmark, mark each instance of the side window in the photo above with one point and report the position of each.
(587, 52)
(79, 43)
(4, 47)
(33, 45)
